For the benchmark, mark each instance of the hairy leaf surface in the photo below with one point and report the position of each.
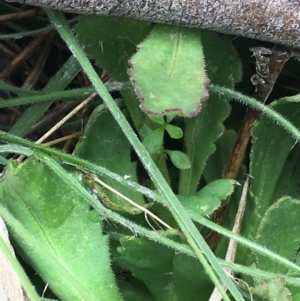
(111, 41)
(63, 223)
(168, 72)
(110, 149)
(167, 275)
(271, 147)
(200, 133)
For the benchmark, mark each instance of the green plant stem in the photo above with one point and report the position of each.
(26, 149)
(40, 97)
(22, 91)
(152, 235)
(193, 236)
(258, 274)
(31, 293)
(16, 149)
(253, 246)
(58, 82)
(251, 102)
(22, 34)
(27, 33)
(37, 96)
(155, 236)
(106, 213)
(70, 160)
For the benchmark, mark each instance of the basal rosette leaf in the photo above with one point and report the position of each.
(168, 72)
(63, 223)
(111, 42)
(279, 231)
(269, 156)
(105, 144)
(168, 275)
(210, 197)
(201, 133)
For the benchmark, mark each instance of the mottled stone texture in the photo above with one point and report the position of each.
(276, 21)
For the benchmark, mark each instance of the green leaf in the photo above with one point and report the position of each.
(210, 197)
(105, 144)
(157, 119)
(60, 81)
(168, 72)
(288, 181)
(63, 223)
(196, 241)
(272, 290)
(179, 159)
(220, 189)
(170, 117)
(153, 142)
(141, 121)
(200, 133)
(174, 131)
(151, 267)
(111, 41)
(131, 292)
(296, 297)
(190, 281)
(271, 147)
(218, 161)
(167, 275)
(279, 232)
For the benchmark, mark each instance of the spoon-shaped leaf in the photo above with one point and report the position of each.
(168, 72)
